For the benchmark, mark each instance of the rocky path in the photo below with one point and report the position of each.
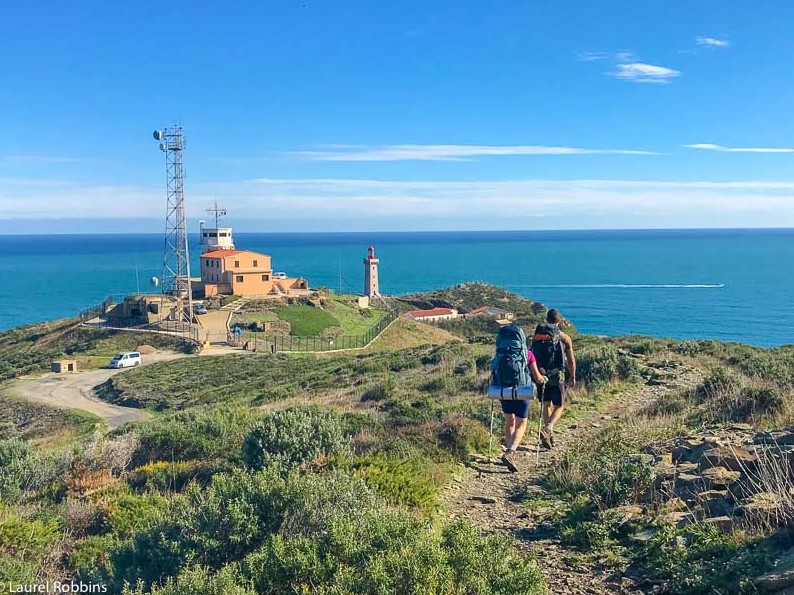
(484, 492)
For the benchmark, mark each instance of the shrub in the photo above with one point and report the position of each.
(720, 382)
(125, 514)
(293, 437)
(393, 553)
(410, 478)
(598, 364)
(775, 365)
(28, 539)
(463, 436)
(701, 559)
(605, 467)
(199, 580)
(24, 472)
(411, 409)
(619, 480)
(163, 476)
(200, 433)
(381, 390)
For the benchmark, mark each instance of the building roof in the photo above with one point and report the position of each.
(224, 253)
(428, 313)
(478, 310)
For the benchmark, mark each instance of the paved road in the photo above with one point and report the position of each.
(76, 391)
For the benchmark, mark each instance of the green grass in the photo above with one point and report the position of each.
(249, 317)
(228, 299)
(353, 321)
(306, 321)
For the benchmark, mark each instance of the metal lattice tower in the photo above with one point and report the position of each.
(176, 259)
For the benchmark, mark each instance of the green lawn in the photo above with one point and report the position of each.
(353, 321)
(249, 317)
(306, 321)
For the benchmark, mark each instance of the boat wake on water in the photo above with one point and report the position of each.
(630, 286)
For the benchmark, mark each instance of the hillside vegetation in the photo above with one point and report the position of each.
(323, 475)
(30, 349)
(468, 296)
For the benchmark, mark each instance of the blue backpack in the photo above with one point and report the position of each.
(510, 366)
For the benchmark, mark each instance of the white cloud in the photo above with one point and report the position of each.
(449, 152)
(37, 159)
(640, 72)
(590, 56)
(712, 42)
(388, 204)
(720, 148)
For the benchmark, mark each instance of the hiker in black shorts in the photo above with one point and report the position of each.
(553, 351)
(516, 414)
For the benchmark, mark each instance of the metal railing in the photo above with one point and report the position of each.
(167, 327)
(276, 343)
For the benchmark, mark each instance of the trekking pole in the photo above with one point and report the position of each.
(490, 434)
(540, 422)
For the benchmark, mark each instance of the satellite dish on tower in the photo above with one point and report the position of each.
(158, 135)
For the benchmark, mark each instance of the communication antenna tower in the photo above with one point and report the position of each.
(218, 212)
(176, 260)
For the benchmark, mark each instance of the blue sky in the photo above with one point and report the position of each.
(353, 115)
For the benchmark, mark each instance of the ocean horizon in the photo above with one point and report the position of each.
(681, 283)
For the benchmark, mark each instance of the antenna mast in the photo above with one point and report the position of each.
(218, 212)
(176, 259)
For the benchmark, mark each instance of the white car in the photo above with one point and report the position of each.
(126, 359)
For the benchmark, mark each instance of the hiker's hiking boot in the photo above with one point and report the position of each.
(551, 438)
(546, 438)
(509, 460)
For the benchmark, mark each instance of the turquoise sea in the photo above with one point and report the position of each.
(720, 284)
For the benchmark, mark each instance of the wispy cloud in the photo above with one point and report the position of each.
(388, 204)
(449, 152)
(639, 72)
(37, 159)
(627, 67)
(712, 42)
(720, 148)
(591, 56)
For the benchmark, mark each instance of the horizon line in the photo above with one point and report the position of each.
(404, 231)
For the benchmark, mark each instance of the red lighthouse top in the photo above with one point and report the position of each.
(371, 252)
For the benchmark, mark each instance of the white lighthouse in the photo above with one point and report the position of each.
(371, 286)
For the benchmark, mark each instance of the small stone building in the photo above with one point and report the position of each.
(63, 365)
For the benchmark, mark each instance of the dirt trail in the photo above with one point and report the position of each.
(483, 493)
(76, 391)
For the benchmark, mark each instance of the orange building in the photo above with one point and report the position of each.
(242, 272)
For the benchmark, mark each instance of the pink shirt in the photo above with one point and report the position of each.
(530, 357)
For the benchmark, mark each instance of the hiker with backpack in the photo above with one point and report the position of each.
(553, 351)
(511, 368)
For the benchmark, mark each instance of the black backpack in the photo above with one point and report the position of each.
(509, 365)
(547, 349)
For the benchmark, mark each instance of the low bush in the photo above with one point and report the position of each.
(24, 472)
(462, 436)
(381, 390)
(199, 433)
(393, 553)
(702, 559)
(293, 437)
(199, 580)
(773, 365)
(408, 478)
(166, 476)
(606, 467)
(123, 513)
(598, 364)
